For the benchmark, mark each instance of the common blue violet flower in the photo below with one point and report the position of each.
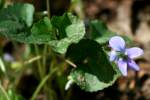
(123, 56)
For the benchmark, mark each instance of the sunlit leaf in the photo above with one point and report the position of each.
(70, 30)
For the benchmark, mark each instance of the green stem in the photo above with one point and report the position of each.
(4, 92)
(71, 63)
(44, 58)
(42, 84)
(38, 62)
(68, 95)
(48, 8)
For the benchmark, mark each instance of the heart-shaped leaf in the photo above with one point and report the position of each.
(94, 71)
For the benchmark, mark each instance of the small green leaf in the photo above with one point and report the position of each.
(60, 46)
(41, 32)
(69, 29)
(94, 71)
(60, 23)
(100, 32)
(26, 13)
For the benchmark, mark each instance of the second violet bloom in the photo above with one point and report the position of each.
(123, 56)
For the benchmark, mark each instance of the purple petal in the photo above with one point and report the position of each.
(133, 65)
(8, 57)
(122, 67)
(112, 56)
(134, 52)
(117, 43)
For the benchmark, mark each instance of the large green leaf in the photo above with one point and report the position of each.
(69, 29)
(41, 32)
(94, 71)
(15, 21)
(10, 28)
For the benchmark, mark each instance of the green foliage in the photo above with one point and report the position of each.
(59, 33)
(15, 20)
(100, 32)
(61, 23)
(9, 95)
(94, 71)
(18, 12)
(69, 29)
(2, 2)
(64, 34)
(13, 96)
(41, 32)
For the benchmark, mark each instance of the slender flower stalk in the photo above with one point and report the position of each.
(123, 56)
